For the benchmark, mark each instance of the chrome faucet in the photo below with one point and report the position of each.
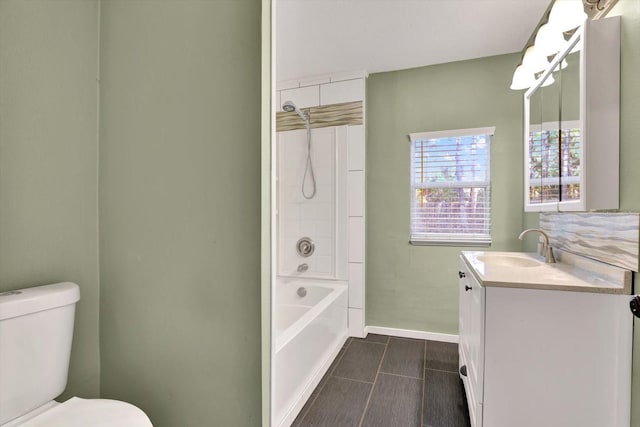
(546, 250)
(302, 268)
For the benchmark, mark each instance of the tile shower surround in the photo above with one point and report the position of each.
(326, 94)
(323, 90)
(387, 381)
(316, 218)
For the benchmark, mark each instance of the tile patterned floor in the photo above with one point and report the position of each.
(382, 381)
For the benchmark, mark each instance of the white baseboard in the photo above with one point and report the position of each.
(408, 333)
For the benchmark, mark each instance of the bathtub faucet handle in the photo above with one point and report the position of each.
(303, 267)
(305, 247)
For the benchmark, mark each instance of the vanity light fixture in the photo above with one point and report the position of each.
(548, 81)
(522, 79)
(534, 60)
(565, 15)
(597, 9)
(549, 39)
(557, 24)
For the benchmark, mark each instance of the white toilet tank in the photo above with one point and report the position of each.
(36, 330)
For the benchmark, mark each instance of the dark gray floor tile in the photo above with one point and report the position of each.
(335, 362)
(382, 339)
(404, 357)
(395, 401)
(305, 410)
(442, 356)
(444, 401)
(360, 361)
(341, 402)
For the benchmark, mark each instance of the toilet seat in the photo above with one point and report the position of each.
(77, 412)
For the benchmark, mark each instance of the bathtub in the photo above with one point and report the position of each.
(308, 334)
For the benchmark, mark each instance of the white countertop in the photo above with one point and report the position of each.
(570, 273)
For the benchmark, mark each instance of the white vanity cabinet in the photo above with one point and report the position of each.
(540, 357)
(472, 341)
(571, 137)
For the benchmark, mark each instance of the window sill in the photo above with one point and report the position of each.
(453, 243)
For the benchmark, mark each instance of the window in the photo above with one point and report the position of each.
(450, 187)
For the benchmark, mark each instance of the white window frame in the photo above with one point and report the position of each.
(444, 239)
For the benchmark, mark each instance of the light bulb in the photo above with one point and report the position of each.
(534, 61)
(549, 40)
(566, 15)
(522, 79)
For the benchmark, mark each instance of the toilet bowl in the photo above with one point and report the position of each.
(36, 328)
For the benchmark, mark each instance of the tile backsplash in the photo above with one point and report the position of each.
(609, 237)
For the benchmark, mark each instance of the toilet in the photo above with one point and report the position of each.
(36, 330)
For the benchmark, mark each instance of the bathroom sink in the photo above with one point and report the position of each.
(510, 260)
(530, 271)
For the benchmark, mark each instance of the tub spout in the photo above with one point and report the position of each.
(303, 267)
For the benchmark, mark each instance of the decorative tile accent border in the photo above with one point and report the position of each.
(348, 113)
(608, 237)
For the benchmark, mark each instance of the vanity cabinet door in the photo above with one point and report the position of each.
(472, 341)
(464, 323)
(556, 358)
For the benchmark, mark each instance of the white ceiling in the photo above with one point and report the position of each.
(316, 37)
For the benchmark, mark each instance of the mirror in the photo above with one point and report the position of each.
(535, 148)
(543, 137)
(550, 138)
(555, 133)
(570, 126)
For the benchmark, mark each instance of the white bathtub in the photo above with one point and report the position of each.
(308, 334)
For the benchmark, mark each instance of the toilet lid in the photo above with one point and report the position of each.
(77, 412)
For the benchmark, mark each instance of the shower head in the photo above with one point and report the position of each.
(290, 107)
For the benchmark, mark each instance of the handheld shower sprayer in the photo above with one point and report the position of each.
(290, 107)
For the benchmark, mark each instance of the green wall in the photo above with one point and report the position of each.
(415, 287)
(48, 161)
(180, 209)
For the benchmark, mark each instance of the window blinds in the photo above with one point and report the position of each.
(450, 187)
